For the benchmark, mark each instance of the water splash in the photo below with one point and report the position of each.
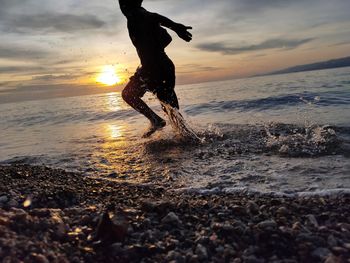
(313, 140)
(179, 124)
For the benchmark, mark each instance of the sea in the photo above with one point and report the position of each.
(278, 135)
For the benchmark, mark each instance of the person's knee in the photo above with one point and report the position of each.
(131, 93)
(126, 94)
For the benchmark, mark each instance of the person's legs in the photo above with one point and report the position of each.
(132, 94)
(166, 92)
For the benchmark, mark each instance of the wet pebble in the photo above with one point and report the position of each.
(38, 258)
(252, 207)
(282, 211)
(267, 224)
(158, 225)
(113, 175)
(312, 220)
(321, 253)
(201, 252)
(339, 250)
(12, 203)
(3, 199)
(174, 256)
(332, 241)
(333, 259)
(171, 218)
(253, 259)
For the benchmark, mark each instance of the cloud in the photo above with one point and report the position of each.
(22, 53)
(52, 22)
(267, 44)
(18, 69)
(41, 92)
(51, 77)
(194, 68)
(258, 5)
(340, 43)
(7, 4)
(50, 41)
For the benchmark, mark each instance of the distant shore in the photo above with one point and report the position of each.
(49, 215)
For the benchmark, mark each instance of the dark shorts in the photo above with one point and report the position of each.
(159, 81)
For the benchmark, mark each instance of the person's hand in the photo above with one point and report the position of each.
(181, 31)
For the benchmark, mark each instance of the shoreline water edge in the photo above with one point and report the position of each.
(49, 215)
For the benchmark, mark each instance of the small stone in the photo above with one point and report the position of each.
(202, 240)
(174, 256)
(39, 258)
(323, 229)
(201, 252)
(253, 207)
(344, 227)
(4, 221)
(62, 259)
(147, 222)
(239, 227)
(333, 259)
(40, 212)
(332, 242)
(297, 226)
(220, 249)
(116, 248)
(276, 202)
(282, 210)
(267, 224)
(85, 219)
(253, 259)
(192, 259)
(12, 203)
(339, 250)
(155, 206)
(321, 253)
(229, 252)
(3, 199)
(313, 221)
(237, 209)
(61, 228)
(171, 218)
(113, 175)
(111, 230)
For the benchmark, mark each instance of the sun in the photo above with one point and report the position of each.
(108, 76)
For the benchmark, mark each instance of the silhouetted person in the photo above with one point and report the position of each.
(157, 72)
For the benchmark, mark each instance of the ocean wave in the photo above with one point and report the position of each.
(336, 98)
(48, 118)
(273, 158)
(330, 193)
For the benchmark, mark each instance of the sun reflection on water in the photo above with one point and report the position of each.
(115, 131)
(120, 153)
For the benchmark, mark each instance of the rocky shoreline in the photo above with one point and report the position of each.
(49, 215)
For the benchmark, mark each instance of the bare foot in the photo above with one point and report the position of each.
(154, 127)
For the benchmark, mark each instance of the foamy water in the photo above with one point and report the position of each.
(286, 134)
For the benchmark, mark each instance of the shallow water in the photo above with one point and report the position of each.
(274, 134)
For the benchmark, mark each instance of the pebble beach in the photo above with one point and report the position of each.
(49, 215)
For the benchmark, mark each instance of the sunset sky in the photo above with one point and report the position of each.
(63, 46)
